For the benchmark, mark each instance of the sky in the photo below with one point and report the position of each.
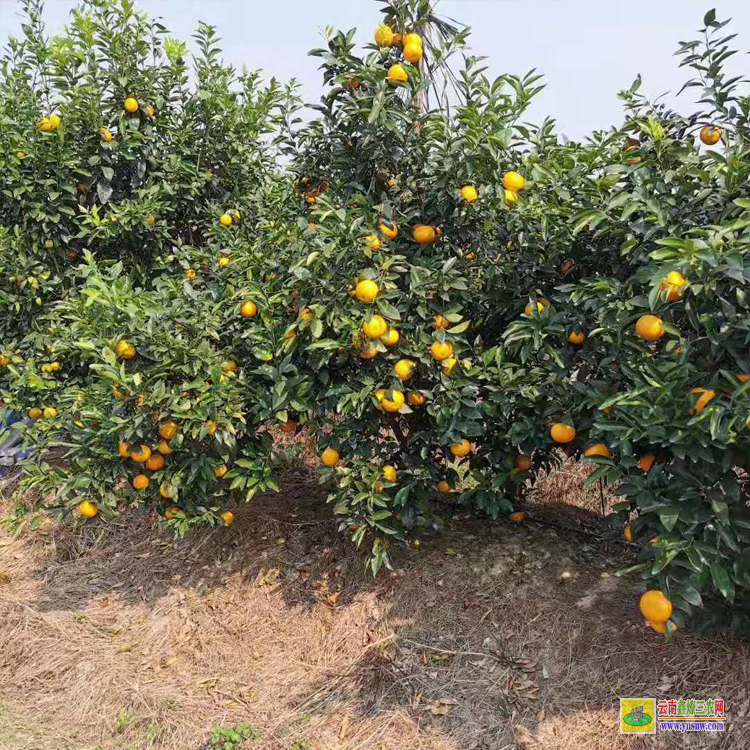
(588, 50)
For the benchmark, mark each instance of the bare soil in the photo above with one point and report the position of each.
(114, 636)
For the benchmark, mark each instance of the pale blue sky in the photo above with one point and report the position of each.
(588, 50)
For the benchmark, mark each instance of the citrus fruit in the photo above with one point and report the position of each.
(87, 509)
(597, 449)
(367, 290)
(441, 350)
(395, 403)
(384, 35)
(166, 490)
(646, 461)
(330, 457)
(249, 309)
(141, 482)
(413, 53)
(710, 135)
(562, 433)
(368, 353)
(289, 426)
(461, 449)
(49, 412)
(397, 74)
(373, 242)
(123, 449)
(649, 327)
(522, 462)
(449, 365)
(655, 606)
(443, 486)
(576, 337)
(229, 366)
(141, 456)
(516, 517)
(627, 532)
(469, 193)
(441, 322)
(105, 134)
(225, 220)
(164, 448)
(375, 327)
(705, 397)
(211, 427)
(415, 398)
(172, 512)
(673, 285)
(423, 234)
(390, 337)
(168, 430)
(131, 105)
(44, 125)
(227, 516)
(155, 462)
(389, 230)
(220, 471)
(513, 181)
(389, 473)
(34, 413)
(404, 369)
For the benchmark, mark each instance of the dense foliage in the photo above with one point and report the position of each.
(449, 297)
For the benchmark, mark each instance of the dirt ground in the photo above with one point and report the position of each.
(491, 637)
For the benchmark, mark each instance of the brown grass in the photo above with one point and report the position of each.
(116, 637)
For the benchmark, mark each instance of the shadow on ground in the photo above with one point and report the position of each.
(494, 636)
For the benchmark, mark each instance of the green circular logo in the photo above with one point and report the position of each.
(640, 721)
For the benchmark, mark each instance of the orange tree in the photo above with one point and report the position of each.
(646, 228)
(403, 276)
(135, 285)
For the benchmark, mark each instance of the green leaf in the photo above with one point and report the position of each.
(722, 581)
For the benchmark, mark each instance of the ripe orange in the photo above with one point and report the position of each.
(673, 285)
(441, 322)
(34, 413)
(375, 327)
(389, 229)
(87, 509)
(539, 308)
(384, 35)
(249, 309)
(511, 197)
(646, 461)
(413, 53)
(461, 449)
(368, 353)
(49, 412)
(469, 193)
(373, 242)
(44, 125)
(415, 398)
(423, 234)
(168, 430)
(367, 290)
(225, 220)
(655, 606)
(705, 397)
(166, 490)
(443, 486)
(227, 516)
(514, 181)
(141, 482)
(389, 473)
(649, 327)
(394, 404)
(172, 512)
(397, 74)
(122, 346)
(131, 105)
(627, 532)
(411, 39)
(164, 448)
(211, 427)
(576, 337)
(229, 366)
(155, 462)
(522, 462)
(441, 350)
(449, 365)
(224, 261)
(140, 457)
(391, 337)
(105, 134)
(330, 457)
(710, 135)
(149, 111)
(220, 471)
(123, 449)
(597, 449)
(190, 274)
(516, 517)
(404, 369)
(562, 433)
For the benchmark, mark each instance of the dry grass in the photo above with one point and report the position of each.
(115, 637)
